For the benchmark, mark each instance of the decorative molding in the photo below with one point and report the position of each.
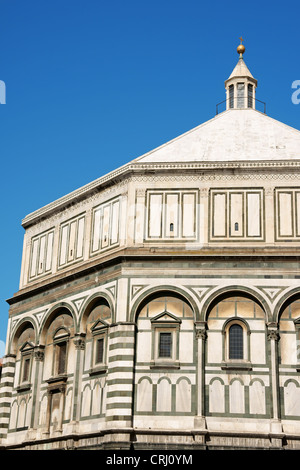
(39, 316)
(39, 354)
(271, 292)
(112, 291)
(79, 302)
(135, 288)
(272, 329)
(200, 291)
(273, 335)
(79, 342)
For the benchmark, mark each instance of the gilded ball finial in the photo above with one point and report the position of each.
(241, 48)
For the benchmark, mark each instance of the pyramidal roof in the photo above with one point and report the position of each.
(234, 135)
(241, 70)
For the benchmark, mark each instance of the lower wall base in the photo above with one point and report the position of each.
(140, 440)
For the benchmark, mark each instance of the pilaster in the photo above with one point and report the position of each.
(276, 434)
(6, 387)
(120, 378)
(201, 335)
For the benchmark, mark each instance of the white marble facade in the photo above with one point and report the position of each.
(160, 304)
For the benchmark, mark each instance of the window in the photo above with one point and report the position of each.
(231, 96)
(99, 344)
(165, 339)
(165, 345)
(61, 357)
(236, 345)
(99, 351)
(26, 368)
(60, 342)
(240, 95)
(250, 96)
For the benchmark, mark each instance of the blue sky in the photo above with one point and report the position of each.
(92, 84)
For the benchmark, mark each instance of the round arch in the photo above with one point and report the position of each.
(51, 314)
(284, 301)
(156, 291)
(88, 306)
(230, 291)
(19, 328)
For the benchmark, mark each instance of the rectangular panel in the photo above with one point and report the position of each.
(72, 241)
(188, 215)
(155, 215)
(41, 266)
(219, 215)
(63, 244)
(105, 227)
(172, 215)
(49, 251)
(115, 222)
(236, 214)
(96, 230)
(297, 203)
(80, 235)
(253, 215)
(285, 214)
(34, 254)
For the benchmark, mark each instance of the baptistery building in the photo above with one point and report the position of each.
(159, 305)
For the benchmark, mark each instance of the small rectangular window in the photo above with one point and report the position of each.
(61, 359)
(250, 96)
(231, 96)
(26, 368)
(165, 345)
(99, 351)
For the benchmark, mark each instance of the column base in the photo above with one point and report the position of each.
(200, 423)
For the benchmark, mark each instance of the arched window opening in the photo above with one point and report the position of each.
(236, 343)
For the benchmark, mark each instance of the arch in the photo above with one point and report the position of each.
(217, 379)
(285, 301)
(164, 377)
(19, 328)
(89, 304)
(51, 315)
(145, 377)
(183, 377)
(238, 379)
(294, 381)
(231, 291)
(256, 379)
(236, 320)
(157, 291)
